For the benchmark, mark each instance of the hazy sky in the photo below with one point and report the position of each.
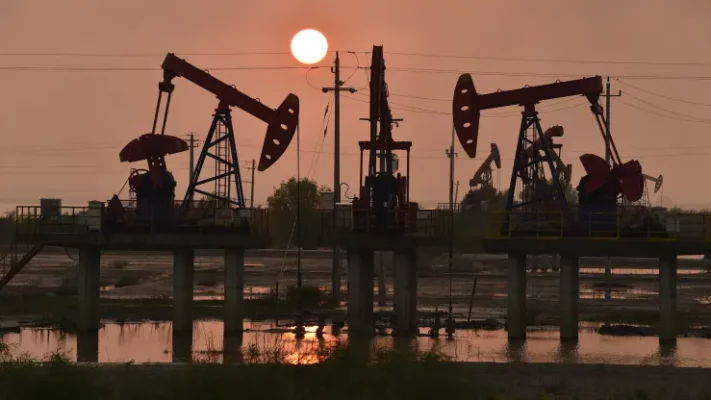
(62, 130)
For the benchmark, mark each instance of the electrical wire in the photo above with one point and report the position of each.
(354, 70)
(544, 75)
(141, 69)
(663, 96)
(544, 106)
(322, 139)
(418, 110)
(689, 117)
(307, 78)
(658, 114)
(551, 60)
(409, 54)
(191, 54)
(114, 55)
(26, 68)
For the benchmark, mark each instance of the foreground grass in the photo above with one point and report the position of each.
(345, 373)
(342, 373)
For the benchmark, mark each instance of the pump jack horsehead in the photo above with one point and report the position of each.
(603, 182)
(155, 188)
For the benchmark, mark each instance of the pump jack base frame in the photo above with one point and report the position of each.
(527, 171)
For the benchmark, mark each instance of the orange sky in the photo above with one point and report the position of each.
(62, 131)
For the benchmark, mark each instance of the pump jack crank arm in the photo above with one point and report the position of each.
(601, 123)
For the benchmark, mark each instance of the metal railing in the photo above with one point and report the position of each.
(599, 225)
(428, 223)
(199, 215)
(62, 220)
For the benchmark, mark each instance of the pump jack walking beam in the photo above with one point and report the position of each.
(466, 110)
(281, 122)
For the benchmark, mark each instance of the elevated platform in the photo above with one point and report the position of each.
(77, 227)
(356, 229)
(618, 235)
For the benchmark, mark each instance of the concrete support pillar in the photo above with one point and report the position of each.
(182, 346)
(405, 288)
(88, 289)
(234, 290)
(88, 347)
(516, 318)
(667, 299)
(383, 262)
(569, 295)
(360, 292)
(183, 277)
(232, 348)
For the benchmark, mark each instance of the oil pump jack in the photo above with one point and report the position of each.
(657, 186)
(155, 188)
(483, 175)
(598, 190)
(384, 202)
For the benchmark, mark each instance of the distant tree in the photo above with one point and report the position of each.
(283, 209)
(473, 198)
(571, 195)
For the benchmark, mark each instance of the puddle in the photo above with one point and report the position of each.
(638, 271)
(616, 293)
(153, 342)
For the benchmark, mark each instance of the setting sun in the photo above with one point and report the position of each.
(309, 46)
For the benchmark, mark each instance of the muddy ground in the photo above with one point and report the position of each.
(139, 285)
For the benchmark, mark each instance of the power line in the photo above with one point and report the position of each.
(658, 114)
(410, 54)
(189, 54)
(141, 69)
(26, 68)
(113, 55)
(543, 75)
(664, 96)
(418, 110)
(552, 60)
(355, 69)
(690, 117)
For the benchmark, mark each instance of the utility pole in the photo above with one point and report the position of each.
(251, 183)
(336, 89)
(251, 196)
(451, 154)
(192, 142)
(608, 156)
(608, 95)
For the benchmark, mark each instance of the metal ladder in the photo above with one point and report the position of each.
(15, 259)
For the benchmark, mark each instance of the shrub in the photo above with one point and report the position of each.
(309, 296)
